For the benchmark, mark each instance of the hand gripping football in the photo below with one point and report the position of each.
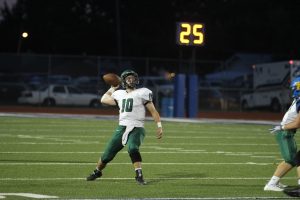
(112, 79)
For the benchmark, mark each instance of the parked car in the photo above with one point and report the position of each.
(88, 84)
(56, 94)
(213, 98)
(161, 87)
(10, 92)
(158, 85)
(36, 80)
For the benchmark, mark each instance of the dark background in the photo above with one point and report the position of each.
(148, 28)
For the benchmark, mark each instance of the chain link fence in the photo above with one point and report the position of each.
(82, 75)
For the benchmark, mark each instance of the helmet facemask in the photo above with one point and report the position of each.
(296, 90)
(295, 86)
(130, 82)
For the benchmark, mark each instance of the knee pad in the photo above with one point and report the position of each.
(135, 156)
(297, 159)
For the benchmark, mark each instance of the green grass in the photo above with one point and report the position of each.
(193, 160)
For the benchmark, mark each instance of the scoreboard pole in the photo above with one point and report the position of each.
(179, 96)
(192, 96)
(186, 90)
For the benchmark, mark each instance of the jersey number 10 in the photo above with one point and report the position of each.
(127, 105)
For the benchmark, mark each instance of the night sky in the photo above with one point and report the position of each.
(148, 28)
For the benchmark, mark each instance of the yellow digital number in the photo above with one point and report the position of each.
(184, 34)
(190, 34)
(198, 34)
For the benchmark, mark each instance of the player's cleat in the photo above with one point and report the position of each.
(93, 176)
(139, 177)
(271, 187)
(281, 185)
(292, 192)
(140, 180)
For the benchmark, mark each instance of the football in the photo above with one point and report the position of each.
(112, 79)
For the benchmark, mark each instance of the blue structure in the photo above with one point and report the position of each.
(179, 98)
(192, 96)
(167, 107)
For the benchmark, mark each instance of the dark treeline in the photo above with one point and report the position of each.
(148, 28)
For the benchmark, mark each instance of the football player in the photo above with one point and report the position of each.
(132, 103)
(284, 134)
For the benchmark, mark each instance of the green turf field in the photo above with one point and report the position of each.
(193, 160)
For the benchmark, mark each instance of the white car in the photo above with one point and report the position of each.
(158, 85)
(56, 94)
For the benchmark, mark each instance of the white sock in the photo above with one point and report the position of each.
(298, 181)
(274, 180)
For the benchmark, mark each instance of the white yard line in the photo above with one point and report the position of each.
(28, 195)
(104, 136)
(263, 156)
(115, 117)
(78, 163)
(59, 136)
(165, 143)
(252, 154)
(39, 196)
(148, 178)
(193, 198)
(51, 143)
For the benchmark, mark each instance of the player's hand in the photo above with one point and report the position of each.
(275, 129)
(112, 89)
(159, 133)
(115, 87)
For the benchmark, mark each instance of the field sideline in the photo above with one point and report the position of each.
(207, 159)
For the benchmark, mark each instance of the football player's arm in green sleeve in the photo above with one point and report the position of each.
(293, 125)
(151, 108)
(107, 99)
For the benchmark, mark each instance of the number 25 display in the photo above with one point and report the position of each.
(190, 34)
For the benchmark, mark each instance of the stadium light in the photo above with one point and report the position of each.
(24, 35)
